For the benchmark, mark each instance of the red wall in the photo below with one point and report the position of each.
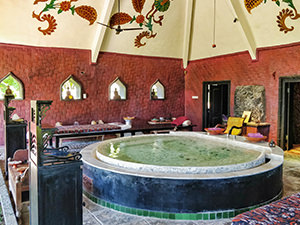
(272, 63)
(42, 70)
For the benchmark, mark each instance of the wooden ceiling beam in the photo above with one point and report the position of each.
(100, 32)
(247, 32)
(187, 32)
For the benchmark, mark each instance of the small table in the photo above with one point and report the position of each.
(263, 128)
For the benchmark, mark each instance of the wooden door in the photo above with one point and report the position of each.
(216, 102)
(289, 116)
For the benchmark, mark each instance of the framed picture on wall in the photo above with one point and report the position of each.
(246, 115)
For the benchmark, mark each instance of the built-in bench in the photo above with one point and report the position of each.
(83, 131)
(284, 211)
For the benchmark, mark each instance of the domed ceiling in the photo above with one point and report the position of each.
(186, 29)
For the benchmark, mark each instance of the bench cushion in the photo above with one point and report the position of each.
(86, 128)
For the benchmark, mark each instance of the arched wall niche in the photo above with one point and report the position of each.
(70, 89)
(14, 83)
(117, 90)
(157, 91)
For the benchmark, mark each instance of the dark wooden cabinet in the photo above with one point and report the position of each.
(56, 194)
(55, 176)
(15, 138)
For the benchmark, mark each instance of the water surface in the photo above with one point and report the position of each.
(177, 151)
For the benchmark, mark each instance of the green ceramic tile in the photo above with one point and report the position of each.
(225, 215)
(145, 213)
(178, 216)
(133, 211)
(118, 207)
(113, 206)
(139, 212)
(205, 216)
(152, 214)
(158, 214)
(219, 215)
(165, 215)
(127, 210)
(122, 209)
(239, 211)
(130, 211)
(172, 216)
(199, 216)
(231, 214)
(193, 216)
(212, 216)
(185, 216)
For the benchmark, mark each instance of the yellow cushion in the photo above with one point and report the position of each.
(234, 121)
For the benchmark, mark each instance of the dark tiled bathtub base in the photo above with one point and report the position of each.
(176, 216)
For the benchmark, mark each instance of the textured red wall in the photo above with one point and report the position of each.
(272, 63)
(42, 70)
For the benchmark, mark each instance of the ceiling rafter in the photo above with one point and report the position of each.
(187, 32)
(245, 26)
(100, 32)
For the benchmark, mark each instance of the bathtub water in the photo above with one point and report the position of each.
(180, 154)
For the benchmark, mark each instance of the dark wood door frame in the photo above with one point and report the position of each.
(205, 98)
(283, 110)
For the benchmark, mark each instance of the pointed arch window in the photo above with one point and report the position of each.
(70, 89)
(117, 90)
(14, 83)
(157, 91)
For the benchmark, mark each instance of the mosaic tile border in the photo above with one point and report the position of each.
(175, 216)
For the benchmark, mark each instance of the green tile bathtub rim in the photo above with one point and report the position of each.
(176, 216)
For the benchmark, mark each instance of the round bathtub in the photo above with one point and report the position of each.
(183, 192)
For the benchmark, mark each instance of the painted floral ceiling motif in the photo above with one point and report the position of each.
(147, 19)
(84, 11)
(283, 14)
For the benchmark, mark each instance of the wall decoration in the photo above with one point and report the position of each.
(84, 11)
(283, 14)
(250, 98)
(143, 20)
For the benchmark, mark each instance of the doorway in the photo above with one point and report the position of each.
(216, 102)
(289, 112)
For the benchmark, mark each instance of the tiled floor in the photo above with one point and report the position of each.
(94, 214)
